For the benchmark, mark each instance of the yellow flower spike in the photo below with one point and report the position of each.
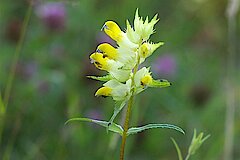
(113, 30)
(108, 51)
(104, 91)
(100, 61)
(147, 79)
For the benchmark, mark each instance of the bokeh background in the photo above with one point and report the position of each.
(50, 84)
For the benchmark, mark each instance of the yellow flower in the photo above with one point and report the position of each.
(108, 51)
(113, 30)
(133, 47)
(122, 54)
(119, 91)
(146, 49)
(142, 79)
(100, 61)
(104, 91)
(147, 79)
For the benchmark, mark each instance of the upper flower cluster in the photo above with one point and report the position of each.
(122, 62)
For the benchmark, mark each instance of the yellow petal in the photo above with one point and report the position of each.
(104, 91)
(100, 61)
(113, 30)
(107, 50)
(147, 79)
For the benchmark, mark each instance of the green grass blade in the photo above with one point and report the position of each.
(178, 149)
(2, 107)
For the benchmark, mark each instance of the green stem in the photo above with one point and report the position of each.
(128, 113)
(16, 57)
(187, 157)
(125, 127)
(5, 99)
(232, 10)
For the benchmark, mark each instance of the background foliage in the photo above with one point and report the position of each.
(51, 85)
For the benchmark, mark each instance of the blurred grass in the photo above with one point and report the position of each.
(50, 85)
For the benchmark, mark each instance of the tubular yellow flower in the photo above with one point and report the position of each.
(113, 30)
(100, 61)
(146, 80)
(108, 51)
(146, 49)
(104, 91)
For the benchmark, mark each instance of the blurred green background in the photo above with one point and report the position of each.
(50, 85)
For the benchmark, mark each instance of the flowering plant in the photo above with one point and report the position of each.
(125, 79)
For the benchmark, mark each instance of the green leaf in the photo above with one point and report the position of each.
(160, 83)
(112, 127)
(135, 130)
(102, 78)
(178, 149)
(118, 107)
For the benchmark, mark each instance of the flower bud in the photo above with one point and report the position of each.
(196, 142)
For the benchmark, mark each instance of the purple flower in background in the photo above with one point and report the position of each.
(103, 38)
(94, 114)
(53, 15)
(165, 65)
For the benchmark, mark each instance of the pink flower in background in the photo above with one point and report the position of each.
(53, 15)
(94, 114)
(165, 65)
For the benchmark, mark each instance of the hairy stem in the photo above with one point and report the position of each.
(125, 127)
(128, 113)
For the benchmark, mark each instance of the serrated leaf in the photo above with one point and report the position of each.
(160, 83)
(112, 127)
(135, 130)
(101, 78)
(118, 107)
(178, 149)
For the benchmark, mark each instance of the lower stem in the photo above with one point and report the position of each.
(125, 127)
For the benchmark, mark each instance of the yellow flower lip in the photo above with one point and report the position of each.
(99, 61)
(112, 30)
(104, 27)
(104, 91)
(147, 79)
(107, 50)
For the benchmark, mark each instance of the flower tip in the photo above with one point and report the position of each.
(103, 91)
(104, 27)
(98, 50)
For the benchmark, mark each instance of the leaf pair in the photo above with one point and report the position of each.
(118, 129)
